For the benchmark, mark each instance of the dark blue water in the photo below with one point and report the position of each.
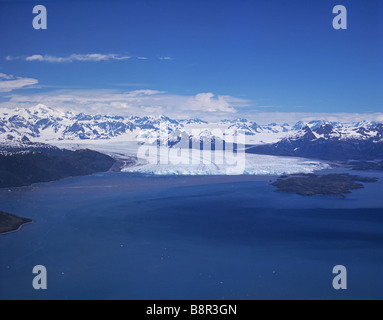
(117, 236)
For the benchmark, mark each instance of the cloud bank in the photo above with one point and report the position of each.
(206, 106)
(9, 83)
(138, 102)
(293, 117)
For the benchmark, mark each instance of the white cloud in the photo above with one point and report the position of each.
(9, 83)
(379, 117)
(210, 103)
(206, 106)
(35, 57)
(6, 76)
(138, 102)
(94, 57)
(293, 117)
(91, 57)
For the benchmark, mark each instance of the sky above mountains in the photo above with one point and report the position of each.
(200, 58)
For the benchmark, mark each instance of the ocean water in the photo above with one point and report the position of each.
(125, 236)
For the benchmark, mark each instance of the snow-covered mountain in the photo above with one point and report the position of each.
(48, 125)
(46, 130)
(362, 141)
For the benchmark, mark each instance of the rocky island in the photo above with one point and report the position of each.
(11, 223)
(312, 184)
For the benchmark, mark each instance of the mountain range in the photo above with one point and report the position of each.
(329, 142)
(48, 125)
(29, 140)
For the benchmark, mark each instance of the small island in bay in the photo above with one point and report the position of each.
(11, 223)
(312, 184)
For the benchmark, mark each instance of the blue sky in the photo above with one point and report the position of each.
(225, 58)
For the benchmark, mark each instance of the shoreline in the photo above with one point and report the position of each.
(18, 229)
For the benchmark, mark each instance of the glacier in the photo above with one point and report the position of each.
(253, 165)
(122, 136)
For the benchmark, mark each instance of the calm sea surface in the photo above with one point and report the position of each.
(123, 236)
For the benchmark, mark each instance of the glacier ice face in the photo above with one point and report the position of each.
(253, 165)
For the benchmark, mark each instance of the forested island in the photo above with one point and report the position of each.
(331, 184)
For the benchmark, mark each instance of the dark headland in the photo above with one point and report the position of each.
(11, 223)
(331, 184)
(30, 163)
(26, 168)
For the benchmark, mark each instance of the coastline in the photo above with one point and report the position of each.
(18, 229)
(10, 223)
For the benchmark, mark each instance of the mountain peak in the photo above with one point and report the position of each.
(324, 129)
(40, 108)
(300, 125)
(42, 111)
